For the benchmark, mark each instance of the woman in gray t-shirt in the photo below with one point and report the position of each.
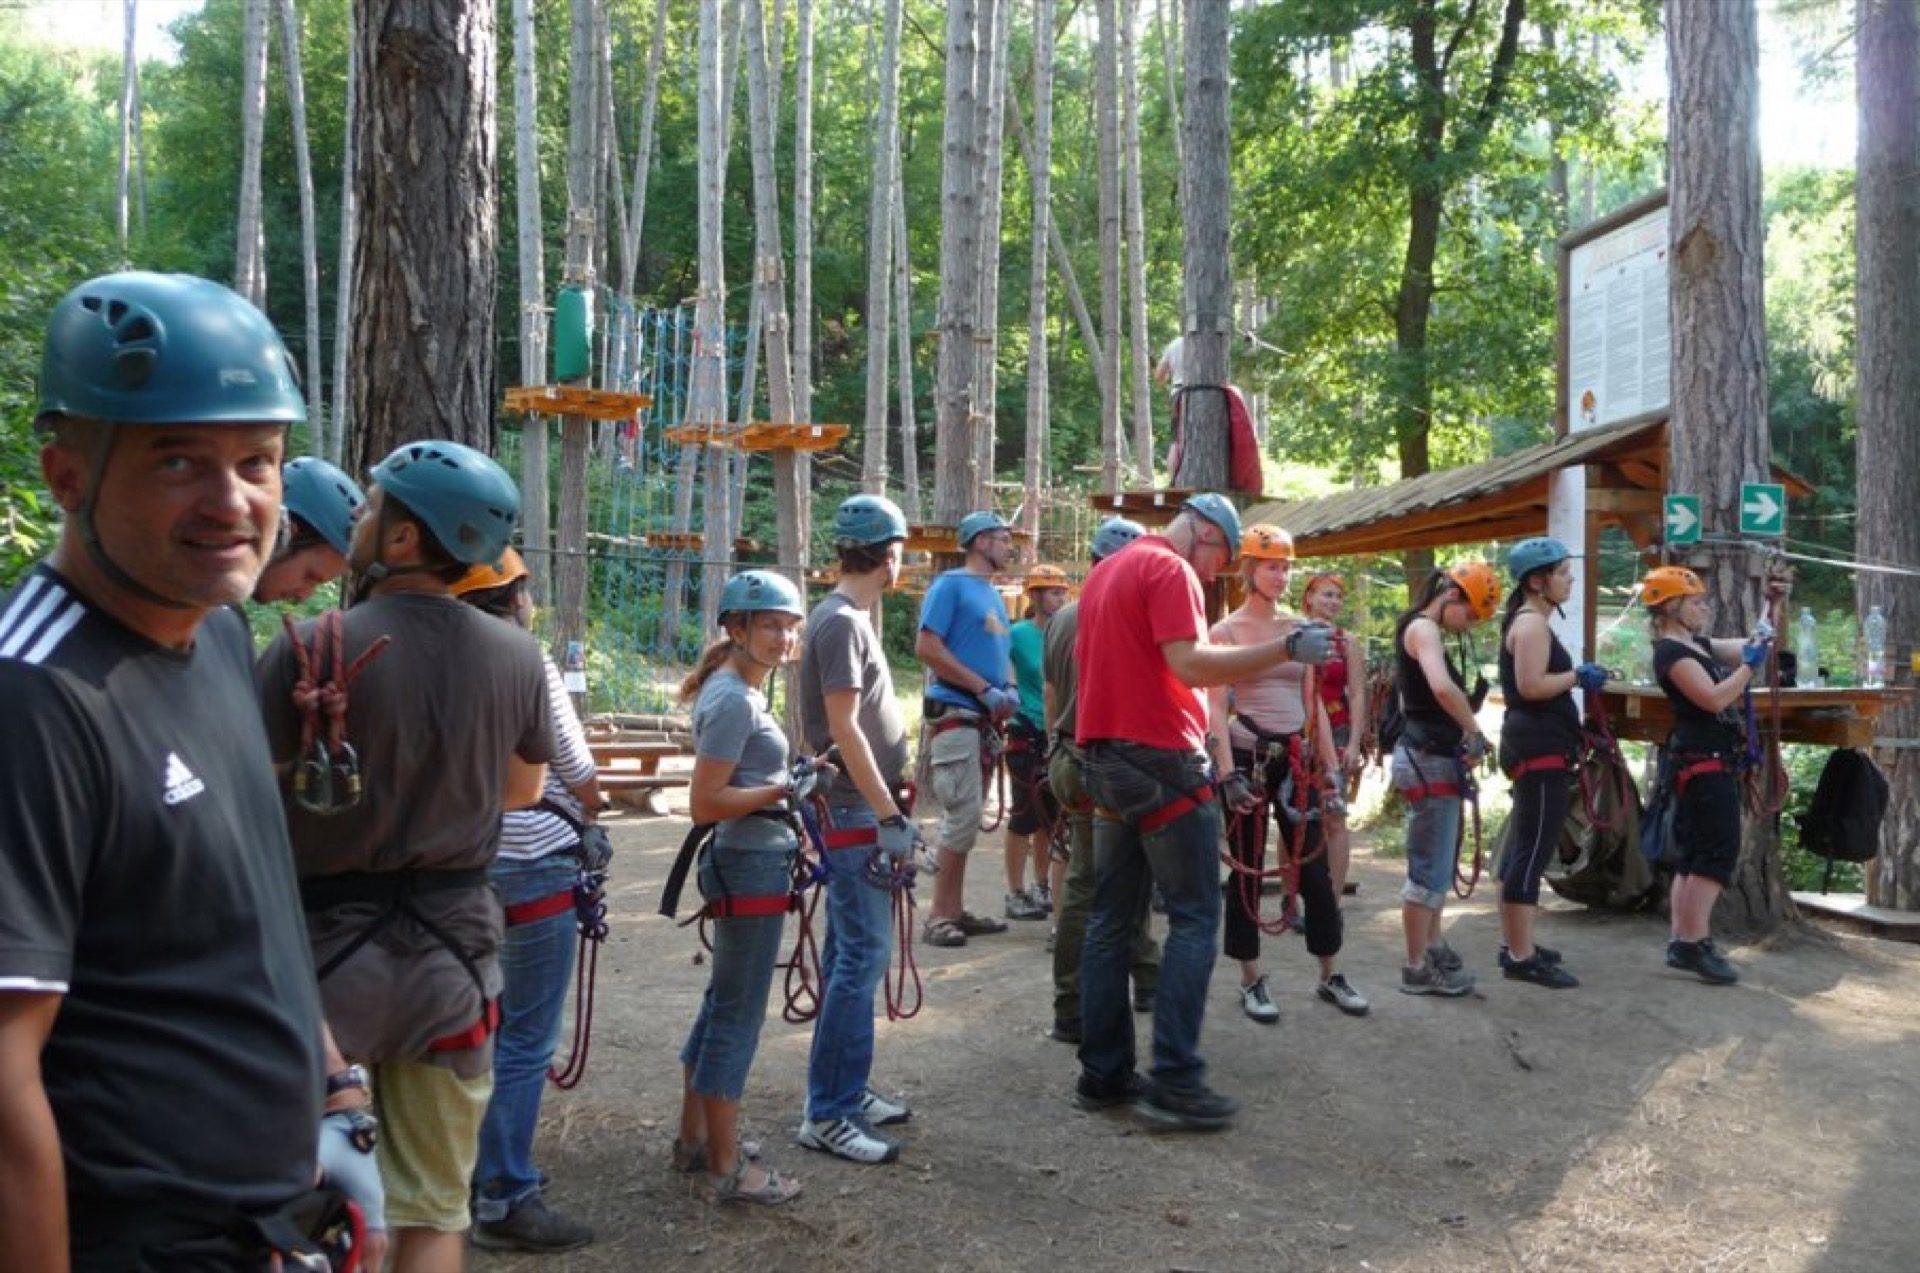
(743, 783)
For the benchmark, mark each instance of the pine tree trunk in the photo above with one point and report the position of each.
(903, 326)
(129, 94)
(1169, 29)
(249, 237)
(953, 460)
(1063, 263)
(584, 163)
(424, 268)
(1040, 175)
(1134, 229)
(309, 239)
(708, 392)
(1887, 448)
(1718, 433)
(803, 257)
(343, 394)
(881, 250)
(1207, 296)
(643, 151)
(996, 18)
(535, 510)
(1106, 98)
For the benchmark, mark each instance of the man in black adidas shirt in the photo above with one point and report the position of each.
(160, 1041)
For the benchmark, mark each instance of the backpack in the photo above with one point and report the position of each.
(1842, 823)
(1604, 867)
(1244, 473)
(1393, 722)
(1657, 815)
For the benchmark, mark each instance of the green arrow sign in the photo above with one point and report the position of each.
(1763, 509)
(1683, 519)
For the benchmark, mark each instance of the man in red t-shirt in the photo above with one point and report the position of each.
(1143, 658)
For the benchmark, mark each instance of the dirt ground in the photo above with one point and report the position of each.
(1643, 1121)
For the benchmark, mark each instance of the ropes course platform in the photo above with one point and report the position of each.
(1827, 717)
(684, 543)
(1148, 507)
(1851, 910)
(759, 435)
(573, 400)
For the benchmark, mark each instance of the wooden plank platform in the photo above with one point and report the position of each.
(1148, 507)
(1826, 717)
(703, 432)
(1850, 910)
(574, 400)
(688, 543)
(765, 436)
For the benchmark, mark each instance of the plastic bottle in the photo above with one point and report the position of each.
(1875, 632)
(1806, 652)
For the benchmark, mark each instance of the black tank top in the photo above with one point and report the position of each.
(1538, 727)
(1428, 725)
(1696, 730)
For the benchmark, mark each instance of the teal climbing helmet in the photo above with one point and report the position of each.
(324, 498)
(1114, 534)
(465, 499)
(140, 348)
(865, 520)
(1219, 510)
(1534, 554)
(974, 525)
(755, 590)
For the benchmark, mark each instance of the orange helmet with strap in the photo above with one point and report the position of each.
(1480, 585)
(1043, 577)
(1664, 583)
(482, 577)
(1265, 542)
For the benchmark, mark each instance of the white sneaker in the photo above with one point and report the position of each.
(847, 1138)
(1336, 991)
(881, 1112)
(1258, 1003)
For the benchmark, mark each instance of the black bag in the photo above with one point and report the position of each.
(1393, 723)
(1656, 817)
(1603, 866)
(1842, 824)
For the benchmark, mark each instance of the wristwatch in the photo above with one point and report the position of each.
(353, 1076)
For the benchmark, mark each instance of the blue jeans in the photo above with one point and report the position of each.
(725, 1035)
(536, 961)
(852, 962)
(1184, 857)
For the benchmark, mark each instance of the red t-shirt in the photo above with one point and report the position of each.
(1134, 602)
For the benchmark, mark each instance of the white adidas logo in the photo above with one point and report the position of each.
(180, 782)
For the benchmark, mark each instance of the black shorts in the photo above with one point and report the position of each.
(1029, 796)
(1706, 827)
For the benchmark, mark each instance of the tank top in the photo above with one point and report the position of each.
(1428, 725)
(1272, 701)
(1532, 726)
(1696, 730)
(1333, 681)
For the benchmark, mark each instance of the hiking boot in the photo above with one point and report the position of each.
(1336, 991)
(1445, 958)
(1143, 999)
(878, 1111)
(1200, 1109)
(1703, 960)
(532, 1226)
(1021, 905)
(1540, 972)
(1258, 1004)
(1429, 979)
(1093, 1095)
(1065, 1030)
(848, 1138)
(1545, 954)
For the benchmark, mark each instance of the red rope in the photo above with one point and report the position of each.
(906, 971)
(585, 967)
(1599, 742)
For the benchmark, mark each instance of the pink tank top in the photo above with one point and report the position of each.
(1273, 701)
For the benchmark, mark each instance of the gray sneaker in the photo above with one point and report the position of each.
(1021, 905)
(848, 1138)
(1430, 979)
(881, 1112)
(1445, 958)
(1336, 991)
(1258, 1004)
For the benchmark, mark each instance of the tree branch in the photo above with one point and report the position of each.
(1498, 76)
(1460, 32)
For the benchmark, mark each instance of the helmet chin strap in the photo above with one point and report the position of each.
(90, 536)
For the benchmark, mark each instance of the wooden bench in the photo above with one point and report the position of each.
(630, 773)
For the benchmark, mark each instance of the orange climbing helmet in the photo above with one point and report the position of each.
(1480, 585)
(483, 577)
(1042, 577)
(1263, 541)
(1664, 583)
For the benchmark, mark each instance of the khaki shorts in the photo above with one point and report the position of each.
(429, 1139)
(957, 788)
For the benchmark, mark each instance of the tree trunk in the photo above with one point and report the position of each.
(1106, 98)
(344, 275)
(129, 91)
(708, 392)
(535, 511)
(903, 311)
(953, 482)
(1134, 229)
(613, 181)
(1069, 280)
(881, 250)
(309, 239)
(1719, 430)
(1040, 175)
(249, 236)
(803, 258)
(1208, 290)
(643, 152)
(1887, 448)
(1169, 60)
(584, 163)
(996, 19)
(424, 178)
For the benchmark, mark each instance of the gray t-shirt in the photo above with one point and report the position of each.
(843, 653)
(1058, 669)
(731, 723)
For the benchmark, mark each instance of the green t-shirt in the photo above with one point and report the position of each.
(1028, 643)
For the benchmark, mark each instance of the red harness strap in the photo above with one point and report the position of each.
(1538, 764)
(948, 724)
(1176, 809)
(1711, 765)
(1427, 790)
(852, 838)
(474, 1035)
(750, 907)
(540, 908)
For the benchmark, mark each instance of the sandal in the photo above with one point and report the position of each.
(943, 932)
(980, 925)
(772, 1191)
(692, 1158)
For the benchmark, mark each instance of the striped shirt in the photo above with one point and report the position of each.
(526, 834)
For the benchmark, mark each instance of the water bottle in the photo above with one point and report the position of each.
(1806, 652)
(1875, 631)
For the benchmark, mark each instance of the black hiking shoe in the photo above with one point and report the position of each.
(1539, 971)
(1094, 1095)
(1199, 1109)
(1703, 960)
(1065, 1030)
(532, 1226)
(1545, 954)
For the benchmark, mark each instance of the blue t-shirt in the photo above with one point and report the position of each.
(730, 722)
(965, 611)
(1029, 644)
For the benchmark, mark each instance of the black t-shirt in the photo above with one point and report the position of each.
(1429, 727)
(1538, 727)
(145, 877)
(1696, 730)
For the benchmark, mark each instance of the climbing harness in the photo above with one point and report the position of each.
(586, 897)
(326, 773)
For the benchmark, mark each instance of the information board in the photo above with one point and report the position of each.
(1617, 333)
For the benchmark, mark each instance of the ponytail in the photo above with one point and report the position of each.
(1437, 582)
(711, 661)
(1515, 599)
